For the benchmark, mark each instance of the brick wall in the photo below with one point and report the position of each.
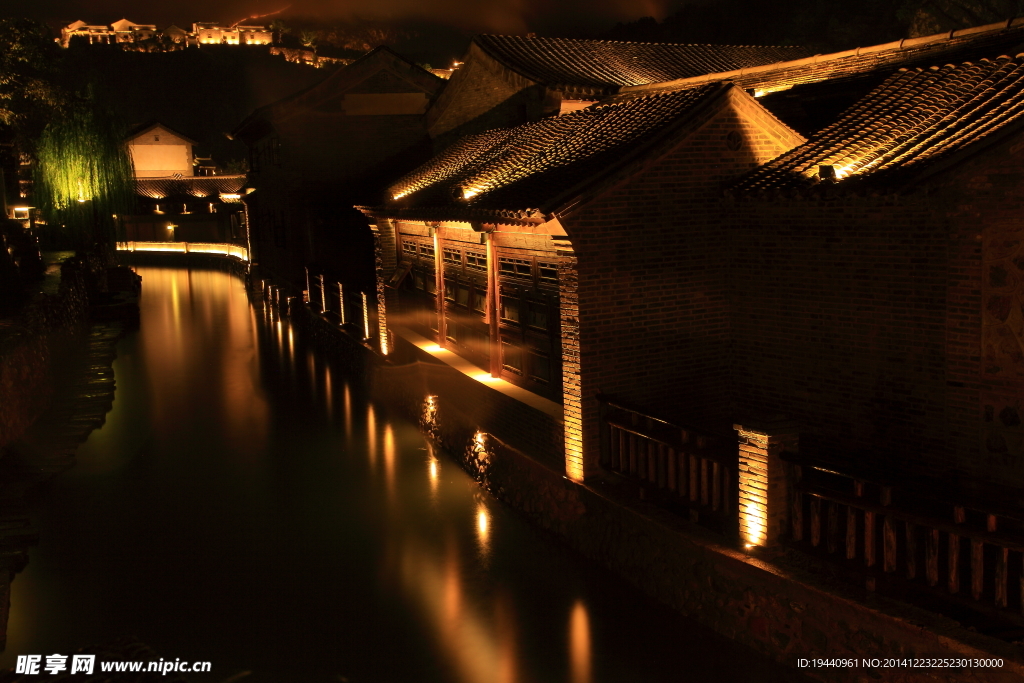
(653, 293)
(482, 95)
(890, 327)
(839, 320)
(985, 325)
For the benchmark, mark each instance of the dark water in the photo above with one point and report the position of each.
(243, 505)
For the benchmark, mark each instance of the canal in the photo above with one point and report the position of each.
(245, 505)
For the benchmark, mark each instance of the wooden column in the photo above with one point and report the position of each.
(869, 539)
(889, 544)
(815, 521)
(911, 551)
(341, 302)
(442, 332)
(959, 517)
(931, 557)
(493, 305)
(851, 532)
(977, 568)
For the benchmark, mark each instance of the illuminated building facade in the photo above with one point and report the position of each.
(622, 261)
(95, 34)
(317, 153)
(158, 151)
(677, 299)
(126, 31)
(551, 216)
(175, 205)
(198, 209)
(214, 34)
(891, 236)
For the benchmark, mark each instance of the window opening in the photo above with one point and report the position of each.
(515, 266)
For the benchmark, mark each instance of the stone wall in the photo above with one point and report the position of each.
(31, 343)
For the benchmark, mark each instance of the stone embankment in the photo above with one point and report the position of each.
(56, 386)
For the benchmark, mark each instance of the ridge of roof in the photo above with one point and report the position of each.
(601, 66)
(814, 60)
(626, 42)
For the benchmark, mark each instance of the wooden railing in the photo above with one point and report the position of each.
(215, 249)
(687, 471)
(919, 545)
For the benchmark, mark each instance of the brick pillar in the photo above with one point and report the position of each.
(385, 262)
(763, 498)
(576, 465)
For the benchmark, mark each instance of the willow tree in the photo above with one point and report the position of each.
(84, 177)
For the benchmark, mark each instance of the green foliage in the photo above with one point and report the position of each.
(84, 174)
(28, 89)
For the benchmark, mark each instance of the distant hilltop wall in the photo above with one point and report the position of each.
(300, 56)
(202, 33)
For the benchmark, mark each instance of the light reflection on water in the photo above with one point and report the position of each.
(230, 510)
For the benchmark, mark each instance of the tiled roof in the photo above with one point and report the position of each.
(194, 186)
(914, 119)
(992, 39)
(600, 64)
(524, 169)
